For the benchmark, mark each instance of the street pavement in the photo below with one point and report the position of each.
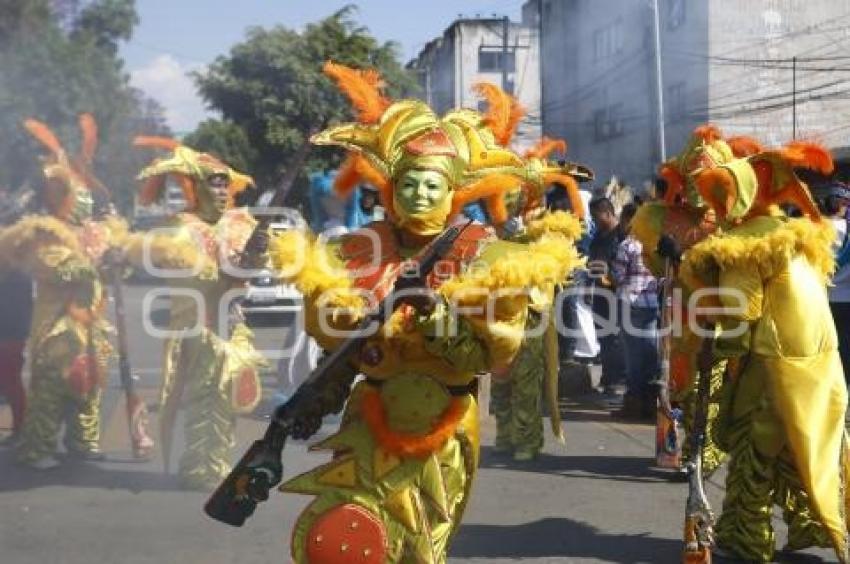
(596, 499)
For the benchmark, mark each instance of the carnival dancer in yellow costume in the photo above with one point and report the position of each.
(517, 399)
(783, 412)
(685, 217)
(63, 252)
(212, 373)
(406, 453)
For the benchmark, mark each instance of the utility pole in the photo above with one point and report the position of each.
(794, 98)
(659, 81)
(541, 64)
(505, 27)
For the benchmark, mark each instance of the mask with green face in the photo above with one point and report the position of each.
(422, 200)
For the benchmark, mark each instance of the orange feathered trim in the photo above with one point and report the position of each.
(407, 444)
(504, 112)
(744, 146)
(356, 169)
(675, 183)
(717, 188)
(806, 154)
(681, 371)
(363, 88)
(491, 189)
(707, 132)
(88, 128)
(546, 147)
(571, 186)
(793, 192)
(44, 135)
(155, 142)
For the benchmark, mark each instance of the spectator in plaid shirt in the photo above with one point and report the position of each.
(637, 292)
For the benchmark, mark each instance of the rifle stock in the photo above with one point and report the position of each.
(323, 392)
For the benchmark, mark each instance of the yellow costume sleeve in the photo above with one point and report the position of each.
(175, 248)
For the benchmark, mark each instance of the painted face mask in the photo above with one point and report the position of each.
(422, 200)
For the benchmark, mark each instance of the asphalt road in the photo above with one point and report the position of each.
(595, 500)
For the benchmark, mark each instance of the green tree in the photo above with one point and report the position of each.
(225, 140)
(53, 76)
(272, 87)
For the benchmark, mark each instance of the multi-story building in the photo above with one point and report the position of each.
(774, 69)
(479, 49)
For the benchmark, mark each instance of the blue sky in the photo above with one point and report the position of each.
(176, 37)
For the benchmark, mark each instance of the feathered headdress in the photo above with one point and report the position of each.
(69, 181)
(407, 134)
(188, 167)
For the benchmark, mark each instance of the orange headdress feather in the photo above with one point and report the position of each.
(674, 180)
(708, 133)
(155, 142)
(88, 128)
(363, 88)
(355, 169)
(546, 147)
(807, 154)
(744, 146)
(503, 111)
(43, 134)
(491, 189)
(571, 186)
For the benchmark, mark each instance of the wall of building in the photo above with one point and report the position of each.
(600, 82)
(751, 92)
(449, 66)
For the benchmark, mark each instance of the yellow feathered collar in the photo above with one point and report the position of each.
(555, 223)
(763, 243)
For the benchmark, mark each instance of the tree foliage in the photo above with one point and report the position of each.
(225, 140)
(53, 76)
(272, 87)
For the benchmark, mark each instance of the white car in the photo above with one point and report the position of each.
(266, 294)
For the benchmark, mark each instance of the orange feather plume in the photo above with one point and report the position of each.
(717, 187)
(155, 142)
(88, 128)
(363, 88)
(708, 133)
(744, 146)
(44, 135)
(491, 189)
(806, 154)
(356, 169)
(571, 186)
(675, 182)
(503, 111)
(546, 147)
(347, 177)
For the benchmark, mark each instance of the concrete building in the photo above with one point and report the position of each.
(474, 50)
(723, 61)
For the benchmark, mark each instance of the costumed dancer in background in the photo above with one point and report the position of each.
(407, 450)
(214, 374)
(684, 217)
(783, 412)
(516, 400)
(69, 347)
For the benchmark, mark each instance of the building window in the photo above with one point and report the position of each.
(490, 60)
(675, 13)
(608, 40)
(676, 100)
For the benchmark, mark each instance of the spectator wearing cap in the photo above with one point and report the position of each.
(835, 207)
